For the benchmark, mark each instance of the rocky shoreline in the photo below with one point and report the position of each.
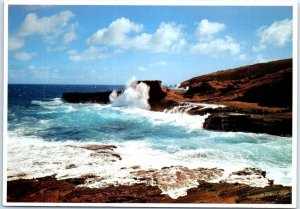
(256, 98)
(49, 189)
(172, 184)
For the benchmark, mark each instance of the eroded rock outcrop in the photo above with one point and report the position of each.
(82, 97)
(156, 94)
(275, 124)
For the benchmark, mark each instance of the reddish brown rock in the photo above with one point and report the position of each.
(49, 189)
(268, 84)
(275, 124)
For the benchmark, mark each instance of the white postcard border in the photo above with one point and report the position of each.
(293, 3)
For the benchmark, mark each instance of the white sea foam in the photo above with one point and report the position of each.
(162, 118)
(135, 95)
(185, 107)
(32, 157)
(54, 102)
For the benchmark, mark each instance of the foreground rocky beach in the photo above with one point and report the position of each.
(255, 99)
(203, 185)
(49, 189)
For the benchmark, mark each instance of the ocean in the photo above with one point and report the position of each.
(46, 136)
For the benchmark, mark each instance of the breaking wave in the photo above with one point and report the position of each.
(135, 95)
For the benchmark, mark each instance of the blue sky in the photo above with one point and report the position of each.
(110, 44)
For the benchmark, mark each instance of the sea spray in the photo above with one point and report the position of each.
(185, 107)
(135, 95)
(54, 134)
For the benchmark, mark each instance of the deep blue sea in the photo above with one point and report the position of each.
(45, 135)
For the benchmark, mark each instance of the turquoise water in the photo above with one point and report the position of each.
(36, 113)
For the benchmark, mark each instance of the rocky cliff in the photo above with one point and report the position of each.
(257, 98)
(267, 84)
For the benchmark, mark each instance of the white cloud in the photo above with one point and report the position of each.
(55, 49)
(38, 68)
(208, 43)
(206, 28)
(243, 57)
(55, 29)
(31, 67)
(44, 25)
(70, 35)
(160, 63)
(115, 34)
(92, 53)
(278, 34)
(119, 34)
(216, 47)
(141, 68)
(24, 56)
(167, 38)
(259, 47)
(261, 59)
(15, 43)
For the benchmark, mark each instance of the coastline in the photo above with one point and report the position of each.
(262, 93)
(49, 189)
(174, 183)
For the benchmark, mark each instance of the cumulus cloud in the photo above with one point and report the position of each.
(167, 38)
(278, 34)
(125, 35)
(217, 46)
(53, 29)
(92, 53)
(24, 56)
(44, 25)
(15, 43)
(209, 43)
(206, 28)
(115, 34)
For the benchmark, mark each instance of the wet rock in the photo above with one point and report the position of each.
(156, 93)
(250, 176)
(49, 189)
(96, 97)
(99, 147)
(70, 166)
(176, 180)
(275, 124)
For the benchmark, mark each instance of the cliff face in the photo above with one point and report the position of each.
(267, 84)
(258, 98)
